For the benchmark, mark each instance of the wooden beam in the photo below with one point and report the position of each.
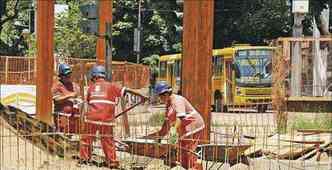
(105, 15)
(303, 39)
(309, 104)
(197, 57)
(315, 130)
(44, 80)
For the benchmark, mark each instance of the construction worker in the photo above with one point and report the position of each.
(181, 118)
(101, 99)
(66, 117)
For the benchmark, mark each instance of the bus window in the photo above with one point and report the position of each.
(162, 71)
(254, 67)
(177, 68)
(217, 65)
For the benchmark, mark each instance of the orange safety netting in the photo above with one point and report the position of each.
(21, 70)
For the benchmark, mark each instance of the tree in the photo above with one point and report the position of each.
(157, 29)
(13, 20)
(250, 21)
(69, 40)
(256, 21)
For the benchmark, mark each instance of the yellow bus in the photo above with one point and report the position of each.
(242, 76)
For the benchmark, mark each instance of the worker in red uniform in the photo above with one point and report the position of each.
(181, 116)
(66, 117)
(101, 99)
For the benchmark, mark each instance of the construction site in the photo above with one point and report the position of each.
(284, 124)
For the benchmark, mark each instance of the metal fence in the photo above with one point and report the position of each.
(240, 139)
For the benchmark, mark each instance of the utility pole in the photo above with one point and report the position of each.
(300, 7)
(137, 34)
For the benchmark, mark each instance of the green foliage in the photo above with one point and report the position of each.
(13, 20)
(254, 21)
(69, 40)
(32, 45)
(157, 33)
(153, 62)
(251, 21)
(322, 121)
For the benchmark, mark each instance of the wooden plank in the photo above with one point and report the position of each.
(197, 54)
(288, 146)
(44, 80)
(38, 132)
(105, 15)
(310, 98)
(315, 130)
(302, 39)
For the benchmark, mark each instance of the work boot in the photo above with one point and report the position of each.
(83, 162)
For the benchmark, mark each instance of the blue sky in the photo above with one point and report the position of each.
(60, 8)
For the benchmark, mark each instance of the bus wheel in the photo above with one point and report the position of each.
(213, 108)
(224, 109)
(261, 108)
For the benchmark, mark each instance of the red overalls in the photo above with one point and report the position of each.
(66, 117)
(101, 98)
(190, 131)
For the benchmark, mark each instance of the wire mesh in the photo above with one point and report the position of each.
(263, 135)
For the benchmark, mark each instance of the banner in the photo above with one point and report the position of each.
(20, 96)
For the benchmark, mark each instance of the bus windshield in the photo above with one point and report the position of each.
(253, 67)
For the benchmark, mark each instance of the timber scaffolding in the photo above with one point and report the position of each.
(239, 138)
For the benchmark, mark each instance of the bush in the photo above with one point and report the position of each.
(323, 121)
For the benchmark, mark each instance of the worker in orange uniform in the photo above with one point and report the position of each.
(65, 92)
(101, 99)
(181, 117)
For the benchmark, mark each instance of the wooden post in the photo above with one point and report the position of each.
(319, 60)
(197, 57)
(44, 80)
(105, 15)
(279, 93)
(296, 75)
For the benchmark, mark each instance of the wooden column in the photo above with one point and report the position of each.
(197, 57)
(105, 15)
(44, 80)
